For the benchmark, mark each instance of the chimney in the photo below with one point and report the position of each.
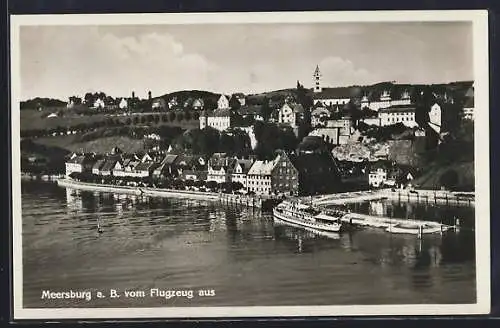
(149, 95)
(133, 95)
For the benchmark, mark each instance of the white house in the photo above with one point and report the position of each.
(223, 102)
(377, 176)
(435, 118)
(74, 164)
(123, 104)
(398, 114)
(99, 103)
(290, 114)
(241, 168)
(218, 119)
(259, 177)
(220, 168)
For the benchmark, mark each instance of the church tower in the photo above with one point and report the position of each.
(317, 80)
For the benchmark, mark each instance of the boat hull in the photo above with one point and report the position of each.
(314, 226)
(415, 231)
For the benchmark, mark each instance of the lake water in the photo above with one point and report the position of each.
(239, 256)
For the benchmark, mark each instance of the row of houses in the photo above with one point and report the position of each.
(284, 174)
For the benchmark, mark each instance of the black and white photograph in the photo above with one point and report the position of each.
(250, 164)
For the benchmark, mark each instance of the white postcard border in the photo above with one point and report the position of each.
(479, 19)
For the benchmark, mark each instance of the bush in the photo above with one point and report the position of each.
(449, 179)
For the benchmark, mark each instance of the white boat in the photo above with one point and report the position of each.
(308, 217)
(415, 229)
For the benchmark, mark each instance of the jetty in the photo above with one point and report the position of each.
(419, 196)
(359, 219)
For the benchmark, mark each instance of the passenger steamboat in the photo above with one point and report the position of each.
(309, 217)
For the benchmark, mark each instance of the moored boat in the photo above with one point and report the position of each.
(309, 217)
(415, 229)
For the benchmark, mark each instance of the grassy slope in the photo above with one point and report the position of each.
(100, 146)
(33, 119)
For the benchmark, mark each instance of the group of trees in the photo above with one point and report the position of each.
(209, 140)
(270, 137)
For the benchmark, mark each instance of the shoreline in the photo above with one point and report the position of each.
(138, 191)
(243, 200)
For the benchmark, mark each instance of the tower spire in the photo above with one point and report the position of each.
(317, 79)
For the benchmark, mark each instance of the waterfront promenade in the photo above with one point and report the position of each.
(244, 200)
(434, 197)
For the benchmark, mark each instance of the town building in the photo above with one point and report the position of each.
(166, 167)
(158, 104)
(435, 118)
(99, 103)
(328, 96)
(223, 102)
(377, 175)
(240, 97)
(385, 100)
(468, 111)
(291, 114)
(220, 168)
(241, 168)
(172, 103)
(96, 168)
(404, 114)
(111, 163)
(276, 177)
(123, 104)
(254, 111)
(220, 119)
(198, 104)
(319, 116)
(79, 163)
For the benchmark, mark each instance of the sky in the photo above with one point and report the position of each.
(61, 61)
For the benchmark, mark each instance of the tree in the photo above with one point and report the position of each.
(234, 103)
(237, 185)
(171, 116)
(266, 110)
(157, 119)
(188, 115)
(143, 119)
(164, 118)
(179, 117)
(449, 179)
(211, 185)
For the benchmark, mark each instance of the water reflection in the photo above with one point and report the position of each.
(249, 257)
(420, 211)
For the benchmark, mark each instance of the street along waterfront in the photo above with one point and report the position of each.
(240, 253)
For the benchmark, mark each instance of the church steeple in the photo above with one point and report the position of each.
(317, 79)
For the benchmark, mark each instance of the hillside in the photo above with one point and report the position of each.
(100, 146)
(431, 179)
